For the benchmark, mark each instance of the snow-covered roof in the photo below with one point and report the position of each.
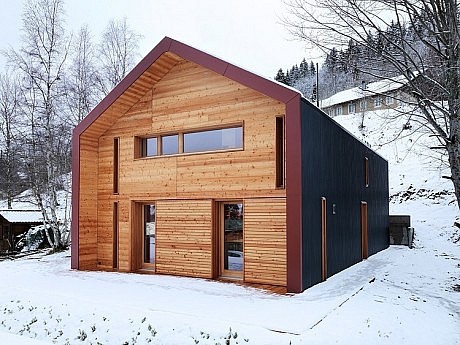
(379, 87)
(22, 216)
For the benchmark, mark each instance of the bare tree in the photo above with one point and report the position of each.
(429, 56)
(118, 53)
(40, 65)
(10, 183)
(82, 93)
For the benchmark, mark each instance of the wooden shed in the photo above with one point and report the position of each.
(192, 166)
(14, 223)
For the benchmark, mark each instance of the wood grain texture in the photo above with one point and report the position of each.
(265, 241)
(184, 238)
(88, 203)
(176, 96)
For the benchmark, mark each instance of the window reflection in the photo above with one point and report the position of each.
(149, 147)
(149, 234)
(217, 139)
(170, 144)
(233, 237)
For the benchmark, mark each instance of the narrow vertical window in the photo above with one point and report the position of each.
(116, 162)
(115, 235)
(280, 152)
(149, 234)
(366, 171)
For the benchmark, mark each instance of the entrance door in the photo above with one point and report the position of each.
(364, 240)
(323, 239)
(149, 236)
(231, 239)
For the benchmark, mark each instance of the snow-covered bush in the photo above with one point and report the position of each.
(34, 238)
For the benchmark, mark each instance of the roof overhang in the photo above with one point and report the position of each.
(176, 49)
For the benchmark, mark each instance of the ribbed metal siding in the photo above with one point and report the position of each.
(333, 167)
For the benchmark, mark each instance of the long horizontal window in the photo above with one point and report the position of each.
(213, 140)
(189, 142)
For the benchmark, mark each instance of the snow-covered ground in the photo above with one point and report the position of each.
(398, 296)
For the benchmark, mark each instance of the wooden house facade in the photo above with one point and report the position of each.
(192, 166)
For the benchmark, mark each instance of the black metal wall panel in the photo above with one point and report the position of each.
(333, 167)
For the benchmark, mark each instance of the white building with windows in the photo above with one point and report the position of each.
(387, 93)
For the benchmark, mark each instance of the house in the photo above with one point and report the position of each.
(382, 94)
(14, 223)
(195, 167)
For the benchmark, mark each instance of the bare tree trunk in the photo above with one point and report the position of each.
(453, 149)
(41, 65)
(9, 108)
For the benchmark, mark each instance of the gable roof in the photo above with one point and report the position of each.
(154, 67)
(22, 216)
(143, 77)
(377, 88)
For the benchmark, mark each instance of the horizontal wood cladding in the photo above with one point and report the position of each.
(184, 238)
(179, 96)
(88, 203)
(133, 94)
(190, 97)
(265, 241)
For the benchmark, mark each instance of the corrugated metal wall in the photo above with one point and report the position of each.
(333, 167)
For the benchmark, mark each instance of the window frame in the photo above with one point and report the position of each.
(116, 165)
(213, 129)
(389, 100)
(338, 110)
(351, 108)
(161, 151)
(366, 172)
(140, 142)
(280, 143)
(151, 264)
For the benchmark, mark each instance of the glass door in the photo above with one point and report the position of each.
(149, 236)
(232, 254)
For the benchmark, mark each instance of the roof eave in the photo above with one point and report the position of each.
(238, 74)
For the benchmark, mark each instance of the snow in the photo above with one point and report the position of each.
(26, 205)
(379, 87)
(398, 296)
(22, 216)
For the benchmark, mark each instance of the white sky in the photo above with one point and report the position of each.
(245, 32)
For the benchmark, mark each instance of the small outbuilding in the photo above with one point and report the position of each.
(193, 166)
(14, 223)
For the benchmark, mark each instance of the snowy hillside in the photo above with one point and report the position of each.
(26, 201)
(398, 296)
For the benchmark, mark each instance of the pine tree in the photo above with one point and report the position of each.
(281, 77)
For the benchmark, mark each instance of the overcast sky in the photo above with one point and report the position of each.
(245, 32)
